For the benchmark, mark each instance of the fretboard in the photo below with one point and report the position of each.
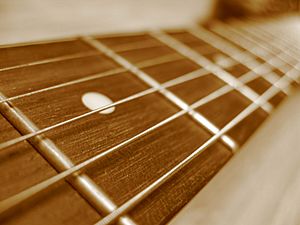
(128, 128)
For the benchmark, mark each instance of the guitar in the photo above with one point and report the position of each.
(128, 128)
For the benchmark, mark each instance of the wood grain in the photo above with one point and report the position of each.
(132, 168)
(21, 167)
(264, 149)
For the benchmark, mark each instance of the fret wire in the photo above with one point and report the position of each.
(153, 83)
(59, 161)
(240, 56)
(123, 48)
(143, 64)
(17, 140)
(267, 30)
(120, 48)
(267, 43)
(278, 62)
(208, 65)
(23, 195)
(277, 38)
(251, 40)
(247, 77)
(16, 199)
(189, 76)
(238, 41)
(132, 202)
(91, 77)
(269, 26)
(66, 83)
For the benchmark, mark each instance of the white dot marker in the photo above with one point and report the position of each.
(224, 61)
(95, 100)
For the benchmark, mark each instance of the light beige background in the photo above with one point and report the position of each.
(261, 184)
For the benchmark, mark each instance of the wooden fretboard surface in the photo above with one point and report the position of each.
(44, 83)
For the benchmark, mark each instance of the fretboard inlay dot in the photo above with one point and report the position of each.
(95, 100)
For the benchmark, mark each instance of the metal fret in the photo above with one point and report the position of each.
(81, 182)
(202, 61)
(251, 47)
(87, 187)
(134, 201)
(270, 29)
(241, 56)
(268, 44)
(268, 41)
(168, 94)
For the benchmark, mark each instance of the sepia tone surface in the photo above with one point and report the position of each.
(148, 219)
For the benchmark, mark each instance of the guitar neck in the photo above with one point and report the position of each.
(128, 128)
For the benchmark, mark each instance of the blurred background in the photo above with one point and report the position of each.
(26, 20)
(43, 19)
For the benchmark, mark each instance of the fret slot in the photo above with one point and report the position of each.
(134, 167)
(223, 109)
(19, 55)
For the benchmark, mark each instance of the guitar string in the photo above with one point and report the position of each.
(255, 50)
(203, 61)
(119, 48)
(25, 194)
(272, 32)
(267, 28)
(103, 109)
(248, 41)
(265, 32)
(268, 43)
(238, 24)
(243, 57)
(147, 78)
(132, 202)
(91, 77)
(49, 60)
(253, 34)
(19, 139)
(244, 78)
(151, 62)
